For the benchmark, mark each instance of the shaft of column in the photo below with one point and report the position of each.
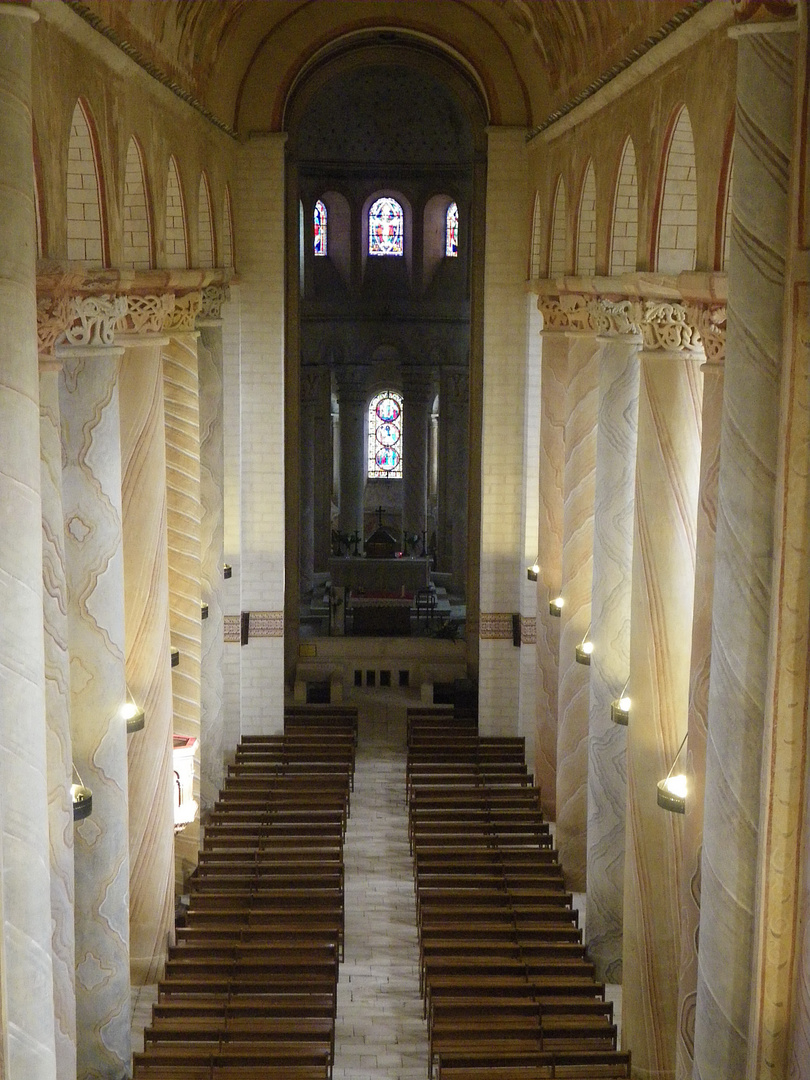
(610, 633)
(553, 378)
(182, 412)
(149, 680)
(453, 452)
(417, 395)
(91, 491)
(309, 399)
(352, 399)
(698, 708)
(577, 576)
(744, 549)
(26, 1033)
(57, 706)
(667, 477)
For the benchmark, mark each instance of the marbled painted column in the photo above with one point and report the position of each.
(577, 575)
(610, 633)
(667, 478)
(57, 712)
(454, 440)
(351, 383)
(417, 396)
(26, 1033)
(184, 511)
(146, 601)
(554, 367)
(212, 689)
(310, 385)
(713, 335)
(744, 552)
(91, 494)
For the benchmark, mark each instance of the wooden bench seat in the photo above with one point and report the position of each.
(217, 1009)
(235, 1053)
(545, 1065)
(222, 933)
(258, 877)
(268, 834)
(158, 1070)
(307, 1029)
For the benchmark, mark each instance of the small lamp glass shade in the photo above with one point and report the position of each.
(555, 606)
(533, 571)
(620, 710)
(133, 714)
(673, 789)
(584, 650)
(82, 798)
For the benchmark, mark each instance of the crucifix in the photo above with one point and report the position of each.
(379, 512)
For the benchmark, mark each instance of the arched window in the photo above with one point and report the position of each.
(319, 221)
(385, 436)
(451, 231)
(385, 227)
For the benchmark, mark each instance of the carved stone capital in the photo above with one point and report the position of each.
(145, 314)
(211, 300)
(53, 315)
(457, 387)
(710, 322)
(666, 326)
(568, 311)
(311, 382)
(185, 311)
(91, 321)
(616, 317)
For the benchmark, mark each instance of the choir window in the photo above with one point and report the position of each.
(385, 228)
(385, 436)
(319, 221)
(451, 231)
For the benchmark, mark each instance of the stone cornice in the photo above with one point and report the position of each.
(56, 278)
(709, 287)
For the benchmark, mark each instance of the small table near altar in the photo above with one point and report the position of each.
(381, 614)
(381, 576)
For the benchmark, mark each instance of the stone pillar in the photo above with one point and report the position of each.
(454, 437)
(91, 492)
(212, 541)
(577, 574)
(417, 398)
(726, 992)
(711, 323)
(182, 411)
(352, 401)
(26, 1033)
(310, 380)
(610, 631)
(148, 670)
(667, 476)
(57, 711)
(553, 378)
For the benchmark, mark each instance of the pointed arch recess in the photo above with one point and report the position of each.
(624, 225)
(138, 239)
(176, 230)
(559, 232)
(227, 229)
(586, 224)
(537, 238)
(86, 216)
(206, 246)
(676, 234)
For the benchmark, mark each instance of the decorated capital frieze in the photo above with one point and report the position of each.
(91, 321)
(212, 298)
(710, 323)
(184, 313)
(145, 314)
(53, 315)
(568, 311)
(667, 326)
(616, 317)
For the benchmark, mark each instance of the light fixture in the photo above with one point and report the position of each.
(555, 606)
(227, 570)
(533, 570)
(203, 611)
(82, 798)
(175, 656)
(132, 713)
(584, 649)
(672, 789)
(620, 707)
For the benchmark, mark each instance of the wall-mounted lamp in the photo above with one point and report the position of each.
(132, 713)
(584, 650)
(82, 798)
(227, 570)
(175, 656)
(203, 611)
(555, 606)
(533, 570)
(672, 789)
(620, 708)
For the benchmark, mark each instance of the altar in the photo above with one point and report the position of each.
(387, 577)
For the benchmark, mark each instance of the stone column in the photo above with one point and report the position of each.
(91, 492)
(57, 711)
(553, 378)
(454, 437)
(310, 380)
(417, 397)
(184, 511)
(148, 670)
(667, 476)
(577, 574)
(212, 543)
(610, 631)
(352, 400)
(26, 1034)
(711, 322)
(749, 450)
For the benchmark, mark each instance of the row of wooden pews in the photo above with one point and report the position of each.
(508, 989)
(250, 987)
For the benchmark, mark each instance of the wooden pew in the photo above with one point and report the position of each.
(541, 1065)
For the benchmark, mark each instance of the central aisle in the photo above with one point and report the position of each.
(380, 1033)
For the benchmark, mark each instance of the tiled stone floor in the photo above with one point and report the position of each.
(380, 1032)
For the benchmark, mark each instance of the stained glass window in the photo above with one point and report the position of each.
(385, 228)
(385, 436)
(319, 220)
(451, 231)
